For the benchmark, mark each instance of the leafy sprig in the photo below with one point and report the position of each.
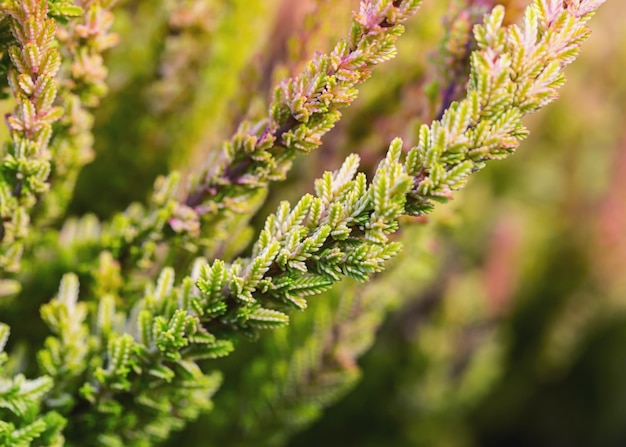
(21, 423)
(25, 162)
(304, 109)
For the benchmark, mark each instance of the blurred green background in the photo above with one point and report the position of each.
(514, 334)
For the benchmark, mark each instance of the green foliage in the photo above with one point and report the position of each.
(132, 346)
(35, 63)
(21, 423)
(310, 364)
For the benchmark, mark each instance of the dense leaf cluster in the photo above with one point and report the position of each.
(125, 361)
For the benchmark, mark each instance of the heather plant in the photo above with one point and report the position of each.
(152, 296)
(521, 250)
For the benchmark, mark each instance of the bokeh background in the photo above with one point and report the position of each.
(508, 321)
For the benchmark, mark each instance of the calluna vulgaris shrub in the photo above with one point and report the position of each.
(125, 352)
